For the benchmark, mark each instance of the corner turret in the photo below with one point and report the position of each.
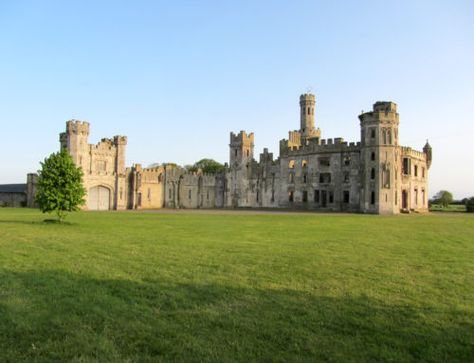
(429, 153)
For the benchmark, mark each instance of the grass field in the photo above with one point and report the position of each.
(127, 286)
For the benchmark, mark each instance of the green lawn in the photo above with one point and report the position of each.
(127, 286)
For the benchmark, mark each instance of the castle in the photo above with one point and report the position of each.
(375, 175)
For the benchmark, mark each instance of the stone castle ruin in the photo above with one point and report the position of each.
(375, 175)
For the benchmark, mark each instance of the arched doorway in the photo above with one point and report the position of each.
(99, 198)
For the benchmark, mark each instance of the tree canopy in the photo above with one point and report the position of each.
(469, 205)
(443, 197)
(60, 188)
(208, 166)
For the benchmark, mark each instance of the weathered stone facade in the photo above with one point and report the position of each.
(374, 175)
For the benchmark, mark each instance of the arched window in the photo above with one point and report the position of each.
(372, 174)
(309, 111)
(384, 135)
(291, 164)
(389, 137)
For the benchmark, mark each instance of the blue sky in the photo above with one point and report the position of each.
(177, 76)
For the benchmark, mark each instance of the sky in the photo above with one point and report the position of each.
(177, 77)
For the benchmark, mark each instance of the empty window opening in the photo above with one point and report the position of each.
(422, 172)
(415, 169)
(149, 194)
(396, 197)
(258, 196)
(416, 196)
(325, 177)
(291, 164)
(345, 196)
(372, 133)
(423, 196)
(324, 162)
(248, 153)
(316, 196)
(346, 177)
(235, 152)
(347, 160)
(406, 166)
(309, 111)
(372, 156)
(331, 197)
(207, 196)
(372, 174)
(304, 178)
(170, 194)
(305, 196)
(189, 194)
(372, 197)
(290, 196)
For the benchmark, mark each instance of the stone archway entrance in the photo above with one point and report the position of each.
(99, 198)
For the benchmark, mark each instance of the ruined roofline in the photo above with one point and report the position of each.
(408, 151)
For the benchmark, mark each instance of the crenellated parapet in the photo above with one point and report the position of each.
(319, 146)
(77, 127)
(242, 138)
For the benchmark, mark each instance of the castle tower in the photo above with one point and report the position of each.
(379, 159)
(307, 109)
(75, 141)
(240, 163)
(241, 148)
(429, 154)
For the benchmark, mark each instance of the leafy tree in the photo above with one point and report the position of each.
(208, 166)
(60, 187)
(444, 198)
(470, 205)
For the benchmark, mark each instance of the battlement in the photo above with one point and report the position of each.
(319, 146)
(76, 126)
(409, 152)
(120, 140)
(242, 138)
(385, 106)
(307, 97)
(266, 156)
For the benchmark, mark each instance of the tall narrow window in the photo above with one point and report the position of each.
(416, 170)
(304, 178)
(189, 194)
(372, 133)
(248, 153)
(316, 196)
(290, 196)
(345, 196)
(305, 196)
(372, 174)
(372, 197)
(372, 156)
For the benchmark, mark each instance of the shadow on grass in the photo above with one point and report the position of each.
(58, 316)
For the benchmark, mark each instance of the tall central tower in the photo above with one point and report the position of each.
(307, 108)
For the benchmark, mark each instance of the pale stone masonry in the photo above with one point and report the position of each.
(374, 175)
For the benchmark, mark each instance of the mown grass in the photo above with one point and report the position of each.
(126, 287)
(456, 208)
